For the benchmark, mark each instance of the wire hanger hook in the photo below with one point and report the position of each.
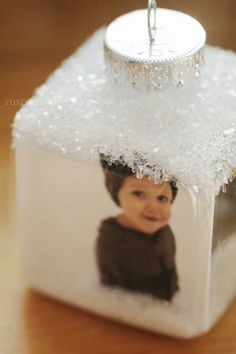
(152, 8)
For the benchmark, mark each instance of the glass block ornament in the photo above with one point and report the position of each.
(126, 194)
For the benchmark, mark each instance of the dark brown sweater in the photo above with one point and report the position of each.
(135, 261)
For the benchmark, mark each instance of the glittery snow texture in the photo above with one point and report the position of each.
(186, 133)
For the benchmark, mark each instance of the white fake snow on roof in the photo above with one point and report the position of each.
(184, 133)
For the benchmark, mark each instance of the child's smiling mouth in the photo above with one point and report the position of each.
(151, 218)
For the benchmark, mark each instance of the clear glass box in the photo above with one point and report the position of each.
(179, 286)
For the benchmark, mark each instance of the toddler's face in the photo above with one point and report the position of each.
(147, 206)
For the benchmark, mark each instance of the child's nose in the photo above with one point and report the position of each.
(153, 208)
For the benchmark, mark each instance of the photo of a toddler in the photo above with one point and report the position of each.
(135, 250)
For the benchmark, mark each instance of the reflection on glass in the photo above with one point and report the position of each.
(225, 215)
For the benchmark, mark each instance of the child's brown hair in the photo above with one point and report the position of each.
(115, 175)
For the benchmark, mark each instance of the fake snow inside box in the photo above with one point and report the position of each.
(96, 231)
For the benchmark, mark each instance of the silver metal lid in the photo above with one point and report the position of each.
(152, 49)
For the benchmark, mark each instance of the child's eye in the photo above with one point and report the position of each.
(139, 194)
(162, 198)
